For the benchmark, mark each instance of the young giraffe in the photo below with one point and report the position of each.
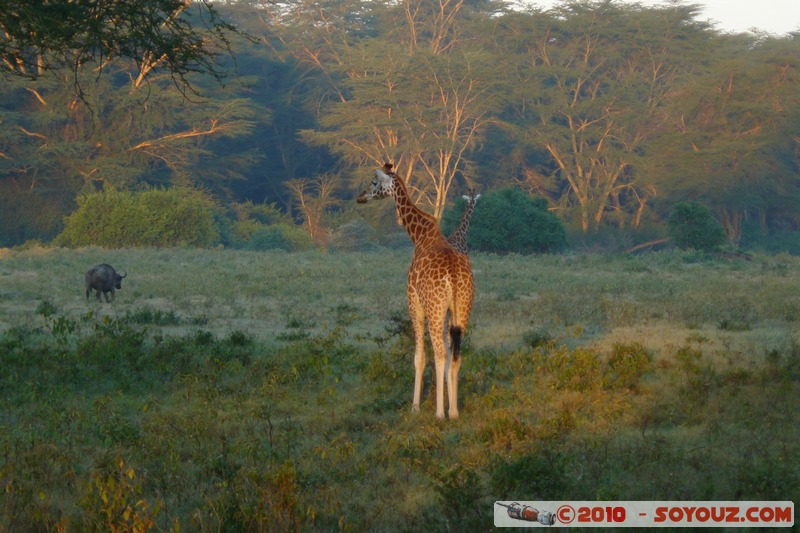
(458, 239)
(439, 281)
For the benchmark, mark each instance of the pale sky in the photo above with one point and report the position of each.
(775, 16)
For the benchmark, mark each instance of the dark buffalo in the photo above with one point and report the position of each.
(103, 278)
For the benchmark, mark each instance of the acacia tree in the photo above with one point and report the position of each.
(54, 147)
(591, 95)
(114, 141)
(730, 144)
(401, 86)
(312, 198)
(70, 130)
(423, 117)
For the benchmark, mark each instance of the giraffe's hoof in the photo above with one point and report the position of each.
(440, 416)
(415, 408)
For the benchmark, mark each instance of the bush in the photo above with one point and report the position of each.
(158, 217)
(353, 236)
(462, 506)
(541, 475)
(508, 220)
(264, 227)
(266, 214)
(627, 363)
(691, 225)
(280, 237)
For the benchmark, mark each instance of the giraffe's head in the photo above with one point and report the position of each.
(381, 186)
(471, 197)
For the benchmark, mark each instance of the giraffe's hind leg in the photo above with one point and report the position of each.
(461, 309)
(418, 322)
(446, 337)
(452, 387)
(451, 369)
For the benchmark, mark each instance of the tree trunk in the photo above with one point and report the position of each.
(732, 222)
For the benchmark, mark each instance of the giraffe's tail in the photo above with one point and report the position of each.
(455, 341)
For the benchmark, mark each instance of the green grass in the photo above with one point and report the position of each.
(246, 391)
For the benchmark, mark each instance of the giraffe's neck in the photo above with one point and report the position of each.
(421, 227)
(460, 233)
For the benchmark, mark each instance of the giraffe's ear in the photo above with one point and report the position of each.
(477, 196)
(465, 197)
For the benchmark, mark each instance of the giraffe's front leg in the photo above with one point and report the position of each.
(418, 322)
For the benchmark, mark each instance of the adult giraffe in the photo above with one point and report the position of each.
(458, 239)
(439, 281)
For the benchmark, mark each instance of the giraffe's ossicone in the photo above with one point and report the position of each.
(441, 289)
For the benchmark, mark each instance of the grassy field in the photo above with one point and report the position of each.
(245, 391)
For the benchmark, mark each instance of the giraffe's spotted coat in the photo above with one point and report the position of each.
(439, 282)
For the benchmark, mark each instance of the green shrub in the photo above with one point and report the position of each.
(691, 225)
(265, 214)
(537, 338)
(537, 476)
(578, 370)
(508, 220)
(148, 315)
(158, 217)
(461, 505)
(263, 227)
(46, 308)
(280, 237)
(114, 349)
(627, 363)
(113, 501)
(354, 236)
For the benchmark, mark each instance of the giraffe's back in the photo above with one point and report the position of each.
(442, 280)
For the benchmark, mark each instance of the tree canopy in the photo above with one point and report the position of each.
(182, 36)
(612, 112)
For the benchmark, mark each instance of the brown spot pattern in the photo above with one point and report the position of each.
(440, 281)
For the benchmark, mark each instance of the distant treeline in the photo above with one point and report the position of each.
(613, 113)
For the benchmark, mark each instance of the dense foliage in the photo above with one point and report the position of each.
(37, 37)
(611, 111)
